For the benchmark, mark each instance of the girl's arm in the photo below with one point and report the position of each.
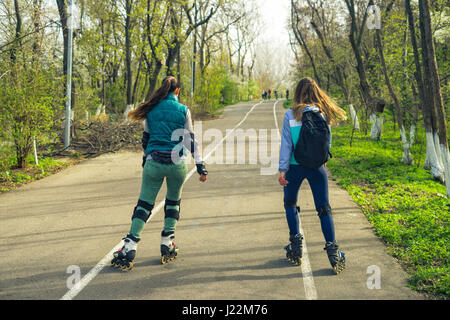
(192, 145)
(286, 145)
(189, 139)
(331, 137)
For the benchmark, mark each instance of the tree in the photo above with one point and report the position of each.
(27, 108)
(407, 140)
(433, 103)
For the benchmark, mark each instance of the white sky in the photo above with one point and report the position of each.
(276, 53)
(274, 15)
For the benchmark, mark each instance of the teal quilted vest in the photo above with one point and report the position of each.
(166, 117)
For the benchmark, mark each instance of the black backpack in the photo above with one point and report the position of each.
(313, 146)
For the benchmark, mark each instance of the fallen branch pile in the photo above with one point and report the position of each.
(98, 137)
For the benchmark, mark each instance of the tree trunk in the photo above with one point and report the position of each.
(17, 43)
(300, 39)
(129, 76)
(37, 4)
(433, 160)
(338, 69)
(63, 16)
(153, 78)
(435, 90)
(407, 141)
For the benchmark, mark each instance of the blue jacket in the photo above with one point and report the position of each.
(163, 120)
(289, 137)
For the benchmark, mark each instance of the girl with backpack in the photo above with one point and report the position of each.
(164, 117)
(318, 111)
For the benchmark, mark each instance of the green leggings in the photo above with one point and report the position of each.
(152, 180)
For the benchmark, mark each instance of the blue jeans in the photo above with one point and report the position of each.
(318, 182)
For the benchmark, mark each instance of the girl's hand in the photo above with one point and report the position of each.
(282, 179)
(201, 170)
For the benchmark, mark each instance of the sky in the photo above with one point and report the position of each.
(275, 50)
(275, 14)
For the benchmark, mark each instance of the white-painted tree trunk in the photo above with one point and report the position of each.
(446, 163)
(99, 110)
(354, 116)
(36, 161)
(407, 143)
(432, 160)
(128, 109)
(377, 125)
(438, 149)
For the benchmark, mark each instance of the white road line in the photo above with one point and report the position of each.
(308, 280)
(76, 289)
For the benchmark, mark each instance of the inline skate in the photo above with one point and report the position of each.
(124, 257)
(336, 257)
(169, 250)
(294, 249)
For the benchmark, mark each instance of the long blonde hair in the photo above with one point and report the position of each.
(309, 93)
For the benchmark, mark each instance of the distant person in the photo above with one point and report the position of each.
(269, 92)
(287, 94)
(309, 102)
(162, 115)
(276, 94)
(264, 95)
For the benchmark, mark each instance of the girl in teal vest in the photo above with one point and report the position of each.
(168, 132)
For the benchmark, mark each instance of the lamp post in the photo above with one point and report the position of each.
(69, 76)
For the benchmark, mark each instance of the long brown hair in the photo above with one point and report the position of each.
(169, 85)
(309, 93)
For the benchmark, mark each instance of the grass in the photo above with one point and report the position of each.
(12, 178)
(408, 209)
(287, 103)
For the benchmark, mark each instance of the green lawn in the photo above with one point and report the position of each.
(408, 209)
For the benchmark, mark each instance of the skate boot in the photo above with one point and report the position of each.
(123, 258)
(336, 257)
(169, 250)
(294, 249)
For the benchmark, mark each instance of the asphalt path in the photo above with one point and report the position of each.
(58, 234)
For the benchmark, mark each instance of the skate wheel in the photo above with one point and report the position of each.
(339, 267)
(115, 263)
(127, 266)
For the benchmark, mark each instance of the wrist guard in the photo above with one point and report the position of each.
(201, 169)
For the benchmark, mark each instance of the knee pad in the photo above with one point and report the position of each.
(324, 210)
(291, 204)
(172, 213)
(141, 214)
